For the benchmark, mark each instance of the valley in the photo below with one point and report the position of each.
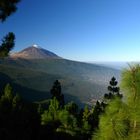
(81, 82)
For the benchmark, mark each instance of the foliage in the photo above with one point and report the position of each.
(7, 44)
(6, 99)
(8, 93)
(76, 88)
(67, 119)
(56, 92)
(119, 119)
(72, 108)
(7, 7)
(97, 110)
(131, 88)
(52, 113)
(17, 117)
(86, 113)
(114, 122)
(58, 119)
(113, 89)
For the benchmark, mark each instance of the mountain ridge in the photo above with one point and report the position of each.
(35, 52)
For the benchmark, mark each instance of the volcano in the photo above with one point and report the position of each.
(35, 52)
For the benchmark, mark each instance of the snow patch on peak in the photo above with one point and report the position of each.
(36, 46)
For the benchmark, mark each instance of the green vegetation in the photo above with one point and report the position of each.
(7, 7)
(113, 123)
(114, 91)
(81, 82)
(121, 118)
(7, 44)
(18, 118)
(116, 117)
(130, 84)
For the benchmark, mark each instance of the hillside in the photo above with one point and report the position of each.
(80, 81)
(33, 78)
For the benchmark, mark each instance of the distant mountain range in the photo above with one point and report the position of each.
(33, 70)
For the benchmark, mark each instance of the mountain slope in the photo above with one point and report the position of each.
(34, 52)
(33, 78)
(81, 81)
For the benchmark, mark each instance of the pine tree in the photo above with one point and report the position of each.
(6, 99)
(16, 102)
(52, 113)
(97, 111)
(68, 120)
(72, 108)
(113, 123)
(7, 44)
(7, 7)
(113, 89)
(121, 119)
(86, 114)
(56, 92)
(131, 88)
(86, 127)
(8, 92)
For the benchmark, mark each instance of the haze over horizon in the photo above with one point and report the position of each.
(82, 30)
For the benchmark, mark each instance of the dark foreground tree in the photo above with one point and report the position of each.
(19, 120)
(98, 109)
(113, 89)
(7, 7)
(8, 42)
(56, 92)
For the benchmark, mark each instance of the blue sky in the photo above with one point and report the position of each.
(83, 30)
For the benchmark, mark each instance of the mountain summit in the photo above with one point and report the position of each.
(34, 52)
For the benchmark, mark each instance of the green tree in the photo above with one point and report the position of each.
(7, 7)
(8, 42)
(67, 120)
(6, 111)
(16, 102)
(72, 108)
(97, 110)
(56, 92)
(8, 93)
(52, 113)
(113, 89)
(131, 89)
(113, 123)
(86, 127)
(6, 99)
(86, 114)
